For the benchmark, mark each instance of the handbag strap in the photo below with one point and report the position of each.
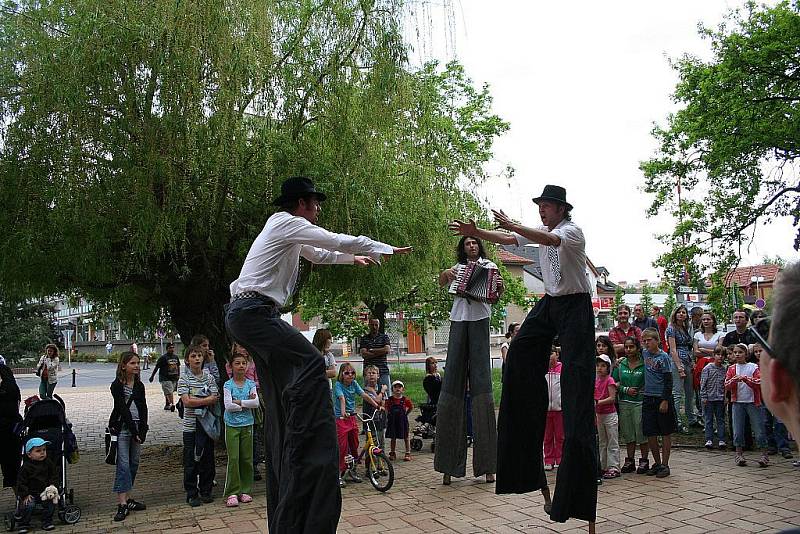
(127, 404)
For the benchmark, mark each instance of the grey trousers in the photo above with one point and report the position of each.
(467, 357)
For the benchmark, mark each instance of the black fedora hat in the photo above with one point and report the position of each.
(297, 187)
(555, 193)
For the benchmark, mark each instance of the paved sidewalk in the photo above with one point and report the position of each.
(706, 492)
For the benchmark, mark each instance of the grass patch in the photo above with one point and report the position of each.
(412, 378)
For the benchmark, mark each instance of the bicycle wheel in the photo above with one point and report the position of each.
(380, 471)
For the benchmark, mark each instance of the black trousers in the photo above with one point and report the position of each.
(303, 494)
(198, 476)
(524, 401)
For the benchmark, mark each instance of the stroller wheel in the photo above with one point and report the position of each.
(10, 521)
(72, 514)
(416, 444)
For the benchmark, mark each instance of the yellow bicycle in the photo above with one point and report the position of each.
(379, 469)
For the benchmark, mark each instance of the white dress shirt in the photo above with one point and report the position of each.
(571, 260)
(272, 264)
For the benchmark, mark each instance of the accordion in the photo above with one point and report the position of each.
(476, 282)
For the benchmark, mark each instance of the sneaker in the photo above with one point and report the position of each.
(723, 445)
(342, 483)
(548, 467)
(740, 461)
(644, 466)
(207, 498)
(194, 502)
(653, 470)
(663, 472)
(122, 512)
(763, 461)
(245, 498)
(629, 466)
(352, 476)
(48, 526)
(786, 453)
(600, 481)
(796, 463)
(231, 501)
(136, 506)
(22, 529)
(392, 456)
(709, 445)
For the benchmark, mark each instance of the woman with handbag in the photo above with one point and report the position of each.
(47, 370)
(129, 422)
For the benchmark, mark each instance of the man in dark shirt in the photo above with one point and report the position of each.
(641, 321)
(741, 334)
(373, 348)
(169, 370)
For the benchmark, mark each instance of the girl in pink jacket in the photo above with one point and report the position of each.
(554, 427)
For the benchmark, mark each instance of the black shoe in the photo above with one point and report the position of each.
(194, 501)
(172, 407)
(136, 506)
(786, 453)
(122, 512)
(22, 529)
(207, 498)
(48, 526)
(663, 472)
(644, 466)
(654, 470)
(166, 407)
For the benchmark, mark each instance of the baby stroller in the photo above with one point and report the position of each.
(46, 419)
(427, 418)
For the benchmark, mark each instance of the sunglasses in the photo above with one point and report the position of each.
(761, 332)
(349, 373)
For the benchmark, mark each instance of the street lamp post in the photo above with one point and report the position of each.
(757, 279)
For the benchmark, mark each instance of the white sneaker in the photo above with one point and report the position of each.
(548, 467)
(709, 445)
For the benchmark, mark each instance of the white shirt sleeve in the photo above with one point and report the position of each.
(571, 236)
(250, 403)
(320, 255)
(229, 404)
(300, 231)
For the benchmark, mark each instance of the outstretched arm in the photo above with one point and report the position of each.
(539, 237)
(471, 229)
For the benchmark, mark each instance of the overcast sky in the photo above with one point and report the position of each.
(581, 84)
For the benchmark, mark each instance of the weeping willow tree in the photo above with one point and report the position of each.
(142, 142)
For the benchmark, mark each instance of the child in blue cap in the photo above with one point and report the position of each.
(36, 474)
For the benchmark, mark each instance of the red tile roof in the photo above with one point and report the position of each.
(509, 258)
(742, 276)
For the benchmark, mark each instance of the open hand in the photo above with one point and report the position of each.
(463, 228)
(402, 250)
(363, 261)
(503, 221)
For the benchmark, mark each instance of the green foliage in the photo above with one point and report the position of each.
(25, 329)
(777, 260)
(647, 299)
(142, 145)
(670, 302)
(732, 145)
(718, 297)
(619, 299)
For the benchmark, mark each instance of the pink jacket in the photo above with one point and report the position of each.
(754, 382)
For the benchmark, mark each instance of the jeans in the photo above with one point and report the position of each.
(774, 431)
(467, 358)
(26, 511)
(524, 403)
(714, 413)
(128, 451)
(741, 412)
(683, 393)
(46, 389)
(299, 429)
(239, 443)
(204, 469)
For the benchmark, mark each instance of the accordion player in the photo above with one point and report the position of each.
(476, 282)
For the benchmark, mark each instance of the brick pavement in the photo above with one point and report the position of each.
(706, 493)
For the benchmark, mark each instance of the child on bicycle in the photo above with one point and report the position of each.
(398, 406)
(344, 408)
(378, 394)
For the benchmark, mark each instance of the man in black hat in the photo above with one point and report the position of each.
(303, 493)
(565, 311)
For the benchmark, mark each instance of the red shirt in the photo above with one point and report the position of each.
(617, 336)
(698, 369)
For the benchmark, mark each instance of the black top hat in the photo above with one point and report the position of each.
(556, 193)
(297, 187)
